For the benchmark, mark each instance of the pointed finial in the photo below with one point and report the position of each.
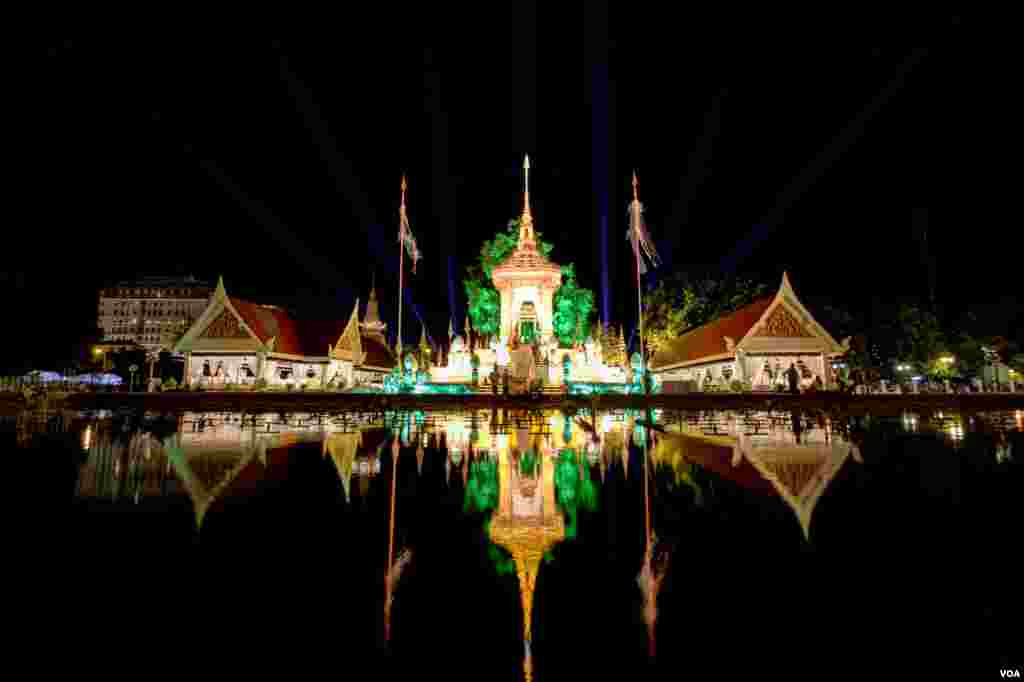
(526, 185)
(526, 220)
(404, 187)
(636, 196)
(785, 280)
(220, 291)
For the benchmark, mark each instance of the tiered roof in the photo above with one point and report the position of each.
(527, 257)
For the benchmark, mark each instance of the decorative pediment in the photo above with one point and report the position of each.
(350, 345)
(225, 326)
(783, 324)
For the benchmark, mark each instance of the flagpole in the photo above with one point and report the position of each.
(639, 291)
(643, 360)
(401, 268)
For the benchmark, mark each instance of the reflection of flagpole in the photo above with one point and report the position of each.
(647, 496)
(391, 544)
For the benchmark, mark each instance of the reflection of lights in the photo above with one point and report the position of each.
(87, 435)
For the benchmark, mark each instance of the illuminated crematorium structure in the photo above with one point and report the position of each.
(526, 346)
(758, 347)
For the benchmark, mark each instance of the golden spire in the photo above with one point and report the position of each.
(636, 196)
(526, 220)
(404, 187)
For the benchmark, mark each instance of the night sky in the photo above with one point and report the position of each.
(277, 164)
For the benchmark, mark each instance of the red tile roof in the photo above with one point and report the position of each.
(377, 354)
(707, 340)
(294, 337)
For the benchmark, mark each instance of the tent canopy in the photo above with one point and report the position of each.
(105, 379)
(42, 376)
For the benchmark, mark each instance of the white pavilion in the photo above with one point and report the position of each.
(526, 282)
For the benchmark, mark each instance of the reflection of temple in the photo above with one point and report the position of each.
(527, 522)
(356, 454)
(799, 473)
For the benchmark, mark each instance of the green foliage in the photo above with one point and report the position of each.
(484, 305)
(573, 304)
(528, 463)
(680, 303)
(482, 486)
(573, 309)
(574, 488)
(503, 562)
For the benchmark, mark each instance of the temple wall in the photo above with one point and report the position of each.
(295, 371)
(224, 368)
(751, 368)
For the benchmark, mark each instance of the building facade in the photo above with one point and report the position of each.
(239, 342)
(755, 344)
(152, 312)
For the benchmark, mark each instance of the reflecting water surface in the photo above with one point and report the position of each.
(514, 544)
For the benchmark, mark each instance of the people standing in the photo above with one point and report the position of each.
(793, 376)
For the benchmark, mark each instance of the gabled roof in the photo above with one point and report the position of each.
(720, 338)
(294, 337)
(709, 340)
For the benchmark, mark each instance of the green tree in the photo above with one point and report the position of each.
(573, 309)
(573, 304)
(680, 303)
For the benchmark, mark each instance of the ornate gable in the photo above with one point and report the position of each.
(225, 326)
(350, 346)
(783, 324)
(787, 326)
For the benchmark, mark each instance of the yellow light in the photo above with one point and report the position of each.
(97, 351)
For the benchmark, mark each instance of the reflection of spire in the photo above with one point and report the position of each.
(342, 448)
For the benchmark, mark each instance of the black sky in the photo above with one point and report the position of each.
(277, 164)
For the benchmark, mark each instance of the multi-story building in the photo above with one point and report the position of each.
(152, 312)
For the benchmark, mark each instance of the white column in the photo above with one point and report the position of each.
(826, 371)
